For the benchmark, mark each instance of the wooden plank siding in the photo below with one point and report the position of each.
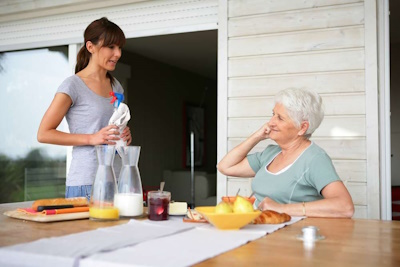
(343, 149)
(323, 82)
(263, 105)
(312, 40)
(351, 126)
(239, 8)
(273, 45)
(321, 61)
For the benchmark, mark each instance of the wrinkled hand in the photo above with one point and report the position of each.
(106, 136)
(263, 132)
(269, 204)
(126, 135)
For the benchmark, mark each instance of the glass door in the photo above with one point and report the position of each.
(29, 79)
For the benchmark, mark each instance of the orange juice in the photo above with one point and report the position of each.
(103, 213)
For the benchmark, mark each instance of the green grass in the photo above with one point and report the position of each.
(45, 191)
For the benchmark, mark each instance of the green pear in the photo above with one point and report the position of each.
(242, 205)
(223, 207)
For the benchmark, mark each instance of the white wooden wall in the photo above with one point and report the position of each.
(273, 45)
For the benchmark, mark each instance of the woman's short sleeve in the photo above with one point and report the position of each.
(255, 161)
(259, 159)
(322, 172)
(69, 87)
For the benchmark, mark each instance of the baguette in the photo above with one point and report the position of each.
(272, 217)
(75, 201)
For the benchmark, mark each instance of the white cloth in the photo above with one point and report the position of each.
(138, 243)
(181, 249)
(67, 250)
(120, 118)
(184, 248)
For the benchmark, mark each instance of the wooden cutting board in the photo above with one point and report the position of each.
(46, 218)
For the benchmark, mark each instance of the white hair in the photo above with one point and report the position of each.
(302, 105)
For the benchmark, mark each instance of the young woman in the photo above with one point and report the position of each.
(84, 99)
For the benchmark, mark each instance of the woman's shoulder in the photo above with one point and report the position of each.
(267, 152)
(270, 150)
(70, 86)
(316, 153)
(316, 149)
(258, 159)
(71, 80)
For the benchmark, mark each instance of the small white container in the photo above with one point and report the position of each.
(310, 234)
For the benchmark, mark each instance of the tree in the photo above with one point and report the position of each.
(12, 173)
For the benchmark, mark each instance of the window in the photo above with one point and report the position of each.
(29, 79)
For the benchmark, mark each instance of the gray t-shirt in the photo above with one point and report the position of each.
(302, 181)
(88, 114)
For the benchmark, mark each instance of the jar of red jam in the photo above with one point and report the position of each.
(158, 205)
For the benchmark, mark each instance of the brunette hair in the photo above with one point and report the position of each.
(100, 30)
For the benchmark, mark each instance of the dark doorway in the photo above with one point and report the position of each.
(168, 74)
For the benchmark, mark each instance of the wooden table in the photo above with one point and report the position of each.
(348, 242)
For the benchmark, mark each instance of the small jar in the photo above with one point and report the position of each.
(158, 205)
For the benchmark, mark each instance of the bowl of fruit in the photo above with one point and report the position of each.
(231, 199)
(230, 216)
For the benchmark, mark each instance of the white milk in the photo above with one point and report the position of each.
(129, 204)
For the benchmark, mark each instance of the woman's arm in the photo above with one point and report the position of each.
(337, 203)
(235, 163)
(48, 132)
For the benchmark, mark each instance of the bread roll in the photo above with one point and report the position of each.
(272, 217)
(75, 201)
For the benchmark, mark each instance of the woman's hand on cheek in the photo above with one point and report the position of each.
(267, 130)
(264, 131)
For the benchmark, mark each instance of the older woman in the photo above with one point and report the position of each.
(296, 176)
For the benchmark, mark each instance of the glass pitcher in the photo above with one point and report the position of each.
(104, 186)
(129, 199)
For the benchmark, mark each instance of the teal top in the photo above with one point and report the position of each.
(301, 181)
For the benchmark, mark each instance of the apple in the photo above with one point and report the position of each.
(223, 207)
(242, 205)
